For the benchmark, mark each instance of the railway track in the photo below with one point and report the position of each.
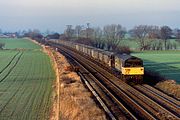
(163, 95)
(108, 101)
(169, 105)
(139, 104)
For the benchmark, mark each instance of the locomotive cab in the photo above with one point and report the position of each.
(133, 70)
(134, 62)
(130, 68)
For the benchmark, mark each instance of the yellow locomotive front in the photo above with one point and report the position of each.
(131, 68)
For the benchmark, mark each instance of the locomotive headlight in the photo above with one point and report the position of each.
(133, 71)
(127, 71)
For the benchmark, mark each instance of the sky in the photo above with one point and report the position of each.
(54, 15)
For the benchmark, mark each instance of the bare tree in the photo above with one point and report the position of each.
(141, 32)
(97, 37)
(89, 31)
(47, 32)
(177, 34)
(34, 34)
(113, 34)
(153, 32)
(69, 31)
(154, 37)
(78, 29)
(166, 33)
(36, 31)
(23, 32)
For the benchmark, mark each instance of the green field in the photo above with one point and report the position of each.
(26, 78)
(18, 43)
(134, 45)
(166, 63)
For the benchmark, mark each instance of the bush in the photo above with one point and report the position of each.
(124, 49)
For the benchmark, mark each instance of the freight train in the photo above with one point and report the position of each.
(129, 68)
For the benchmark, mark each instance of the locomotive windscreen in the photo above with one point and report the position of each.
(134, 63)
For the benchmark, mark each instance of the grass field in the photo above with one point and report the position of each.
(18, 43)
(166, 63)
(26, 78)
(134, 45)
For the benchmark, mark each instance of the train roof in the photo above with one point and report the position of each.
(125, 57)
(108, 53)
(84, 45)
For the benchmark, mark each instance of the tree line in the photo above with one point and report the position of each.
(109, 37)
(148, 37)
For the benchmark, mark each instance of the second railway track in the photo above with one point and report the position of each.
(169, 105)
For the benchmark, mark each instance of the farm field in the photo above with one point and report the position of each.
(166, 63)
(11, 43)
(26, 78)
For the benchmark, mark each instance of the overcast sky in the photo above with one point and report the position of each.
(56, 14)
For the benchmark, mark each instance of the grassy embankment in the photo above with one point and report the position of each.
(76, 102)
(26, 77)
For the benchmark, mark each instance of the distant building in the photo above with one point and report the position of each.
(8, 35)
(4, 36)
(11, 35)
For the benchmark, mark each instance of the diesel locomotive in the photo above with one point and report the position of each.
(128, 68)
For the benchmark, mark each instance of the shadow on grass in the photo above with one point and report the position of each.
(156, 72)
